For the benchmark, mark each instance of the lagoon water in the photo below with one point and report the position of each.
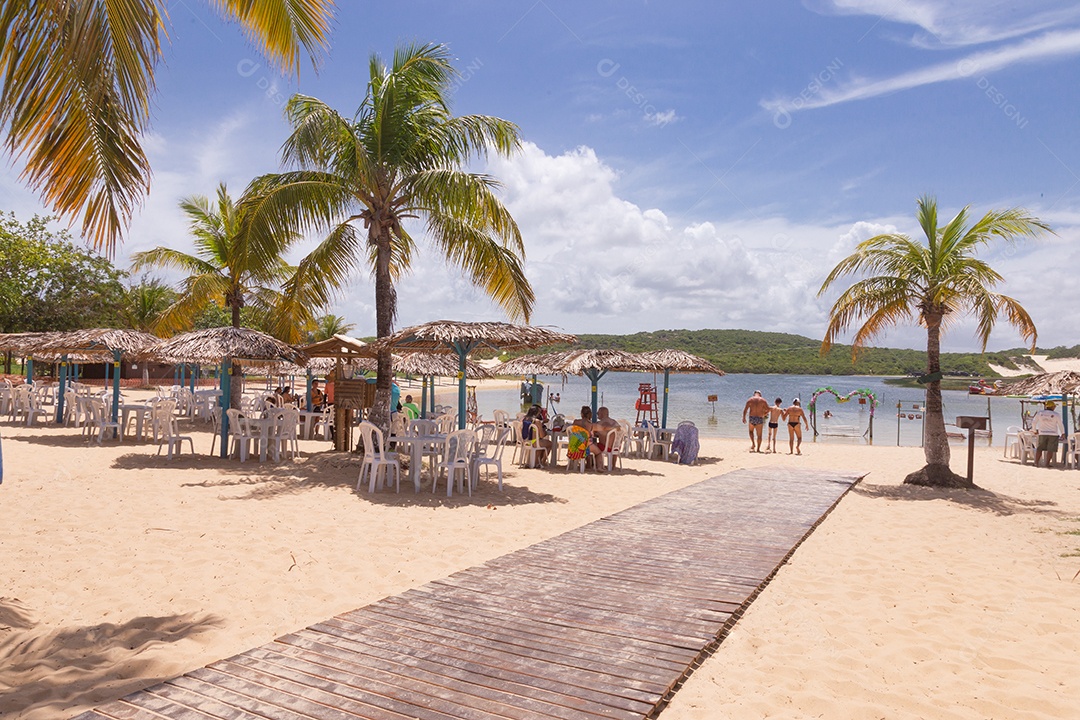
(689, 392)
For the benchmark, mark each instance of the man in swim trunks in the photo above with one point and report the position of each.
(796, 418)
(758, 408)
(775, 413)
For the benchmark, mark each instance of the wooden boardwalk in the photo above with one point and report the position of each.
(601, 622)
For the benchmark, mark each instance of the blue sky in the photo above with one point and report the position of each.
(686, 164)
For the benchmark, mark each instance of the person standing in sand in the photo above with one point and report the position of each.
(796, 418)
(1047, 425)
(758, 408)
(776, 413)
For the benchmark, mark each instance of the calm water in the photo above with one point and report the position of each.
(688, 401)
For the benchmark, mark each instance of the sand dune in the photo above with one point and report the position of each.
(121, 568)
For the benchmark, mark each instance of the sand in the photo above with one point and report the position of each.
(1040, 363)
(120, 568)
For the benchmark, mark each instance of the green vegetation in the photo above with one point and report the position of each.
(749, 351)
(49, 283)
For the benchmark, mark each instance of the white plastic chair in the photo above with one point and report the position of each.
(376, 458)
(614, 440)
(288, 438)
(633, 445)
(447, 423)
(655, 443)
(99, 419)
(525, 452)
(5, 396)
(74, 414)
(1028, 441)
(162, 418)
(492, 455)
(457, 457)
(1012, 441)
(239, 434)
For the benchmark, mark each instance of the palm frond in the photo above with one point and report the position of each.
(169, 259)
(283, 27)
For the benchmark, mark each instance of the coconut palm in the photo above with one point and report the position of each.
(233, 266)
(327, 326)
(77, 80)
(399, 158)
(145, 303)
(932, 281)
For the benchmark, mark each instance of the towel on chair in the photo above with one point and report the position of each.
(577, 445)
(686, 443)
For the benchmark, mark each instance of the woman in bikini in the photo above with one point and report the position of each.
(796, 418)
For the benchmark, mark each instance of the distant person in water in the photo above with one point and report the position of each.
(796, 419)
(757, 408)
(776, 412)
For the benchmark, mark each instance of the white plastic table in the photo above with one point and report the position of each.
(416, 445)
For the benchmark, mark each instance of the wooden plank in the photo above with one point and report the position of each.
(599, 622)
(509, 679)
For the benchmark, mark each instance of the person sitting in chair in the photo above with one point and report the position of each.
(533, 433)
(317, 397)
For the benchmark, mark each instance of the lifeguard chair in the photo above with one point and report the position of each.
(646, 405)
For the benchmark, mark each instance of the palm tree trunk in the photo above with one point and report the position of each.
(236, 388)
(936, 472)
(935, 441)
(385, 302)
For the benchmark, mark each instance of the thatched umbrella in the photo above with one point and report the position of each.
(432, 365)
(225, 345)
(1064, 381)
(675, 361)
(102, 344)
(593, 364)
(462, 338)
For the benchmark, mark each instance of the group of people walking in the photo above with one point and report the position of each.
(758, 410)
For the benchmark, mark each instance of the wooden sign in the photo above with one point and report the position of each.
(354, 393)
(712, 398)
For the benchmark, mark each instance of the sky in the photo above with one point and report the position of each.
(684, 164)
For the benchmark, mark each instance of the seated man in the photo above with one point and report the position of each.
(410, 408)
(602, 429)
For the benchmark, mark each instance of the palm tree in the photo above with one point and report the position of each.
(328, 326)
(399, 158)
(233, 266)
(77, 81)
(930, 282)
(146, 302)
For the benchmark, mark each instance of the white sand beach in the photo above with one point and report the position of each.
(121, 568)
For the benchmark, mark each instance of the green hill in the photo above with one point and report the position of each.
(749, 351)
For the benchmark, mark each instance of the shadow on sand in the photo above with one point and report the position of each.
(977, 498)
(334, 470)
(50, 673)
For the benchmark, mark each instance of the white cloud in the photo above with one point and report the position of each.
(1049, 46)
(962, 22)
(660, 119)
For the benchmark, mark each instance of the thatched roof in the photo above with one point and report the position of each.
(22, 343)
(572, 362)
(440, 364)
(677, 361)
(1044, 384)
(216, 344)
(103, 341)
(93, 345)
(341, 346)
(324, 366)
(441, 335)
